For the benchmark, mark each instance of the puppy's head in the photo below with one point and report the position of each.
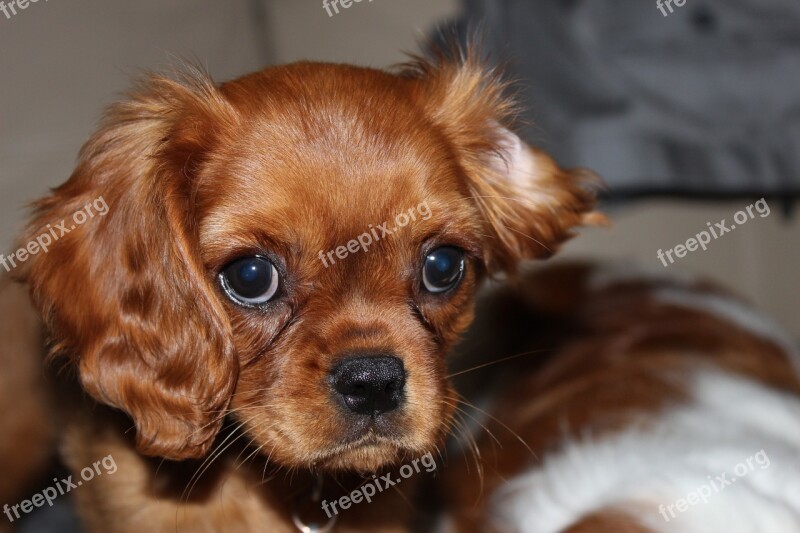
(299, 247)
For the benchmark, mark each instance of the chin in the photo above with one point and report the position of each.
(364, 458)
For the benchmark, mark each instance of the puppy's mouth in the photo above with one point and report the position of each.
(357, 432)
(367, 453)
(381, 428)
(372, 433)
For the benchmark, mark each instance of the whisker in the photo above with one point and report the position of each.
(540, 243)
(213, 456)
(405, 499)
(490, 363)
(475, 450)
(497, 420)
(486, 429)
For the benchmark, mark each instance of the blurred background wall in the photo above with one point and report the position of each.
(62, 61)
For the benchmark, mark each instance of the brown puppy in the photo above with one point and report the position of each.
(26, 444)
(231, 276)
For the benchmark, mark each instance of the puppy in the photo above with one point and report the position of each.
(653, 405)
(26, 443)
(228, 307)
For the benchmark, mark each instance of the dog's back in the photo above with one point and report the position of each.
(633, 403)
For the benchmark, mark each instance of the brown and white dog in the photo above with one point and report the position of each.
(206, 294)
(239, 343)
(654, 405)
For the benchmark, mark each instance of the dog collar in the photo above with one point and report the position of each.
(310, 526)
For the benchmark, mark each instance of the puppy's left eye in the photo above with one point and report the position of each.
(250, 281)
(443, 269)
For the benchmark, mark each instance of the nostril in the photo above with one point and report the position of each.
(370, 385)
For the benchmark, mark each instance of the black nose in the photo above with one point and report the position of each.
(370, 385)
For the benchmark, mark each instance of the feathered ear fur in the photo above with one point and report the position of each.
(529, 204)
(125, 294)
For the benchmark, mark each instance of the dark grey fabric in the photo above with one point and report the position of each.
(704, 100)
(60, 518)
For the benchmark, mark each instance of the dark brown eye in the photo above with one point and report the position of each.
(443, 269)
(250, 281)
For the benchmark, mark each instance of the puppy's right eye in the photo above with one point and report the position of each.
(250, 281)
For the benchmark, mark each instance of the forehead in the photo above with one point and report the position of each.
(325, 151)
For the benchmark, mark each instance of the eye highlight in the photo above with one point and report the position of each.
(443, 269)
(250, 281)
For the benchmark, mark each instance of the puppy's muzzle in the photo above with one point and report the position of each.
(370, 385)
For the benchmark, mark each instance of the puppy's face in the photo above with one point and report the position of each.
(342, 355)
(299, 247)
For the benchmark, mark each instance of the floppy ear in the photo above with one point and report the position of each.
(529, 204)
(125, 294)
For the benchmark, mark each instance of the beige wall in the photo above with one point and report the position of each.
(759, 260)
(63, 60)
(368, 33)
